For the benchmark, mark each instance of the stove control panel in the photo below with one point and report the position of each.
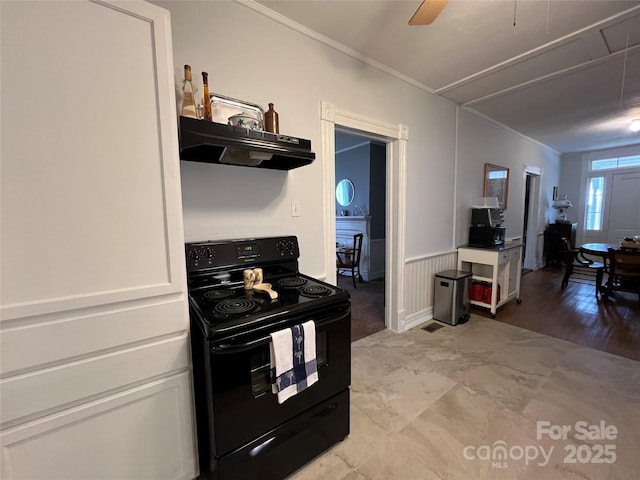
(219, 254)
(287, 247)
(250, 250)
(201, 257)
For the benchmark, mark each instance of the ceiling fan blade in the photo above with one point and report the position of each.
(427, 12)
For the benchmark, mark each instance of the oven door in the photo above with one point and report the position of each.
(242, 406)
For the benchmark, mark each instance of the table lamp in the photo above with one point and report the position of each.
(561, 205)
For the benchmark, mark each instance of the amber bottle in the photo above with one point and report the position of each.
(206, 101)
(271, 121)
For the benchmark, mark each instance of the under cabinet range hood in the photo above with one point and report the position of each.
(210, 142)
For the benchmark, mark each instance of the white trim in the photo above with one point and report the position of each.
(418, 318)
(395, 136)
(532, 169)
(531, 254)
(430, 256)
(456, 142)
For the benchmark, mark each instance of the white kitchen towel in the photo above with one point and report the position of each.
(293, 360)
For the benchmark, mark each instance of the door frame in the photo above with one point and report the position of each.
(533, 253)
(586, 236)
(395, 136)
(610, 202)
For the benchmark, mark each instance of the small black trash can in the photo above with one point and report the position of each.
(451, 296)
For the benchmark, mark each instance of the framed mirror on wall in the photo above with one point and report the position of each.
(345, 191)
(496, 183)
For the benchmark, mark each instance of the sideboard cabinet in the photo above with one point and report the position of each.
(553, 247)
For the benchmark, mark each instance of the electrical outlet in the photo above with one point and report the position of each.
(295, 208)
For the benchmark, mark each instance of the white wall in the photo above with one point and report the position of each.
(482, 141)
(252, 57)
(570, 185)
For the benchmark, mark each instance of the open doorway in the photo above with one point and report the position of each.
(531, 238)
(360, 165)
(395, 137)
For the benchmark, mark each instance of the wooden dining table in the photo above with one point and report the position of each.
(598, 249)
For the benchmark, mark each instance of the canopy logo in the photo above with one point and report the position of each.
(500, 453)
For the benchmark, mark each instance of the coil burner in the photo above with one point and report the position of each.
(217, 295)
(234, 308)
(315, 291)
(292, 282)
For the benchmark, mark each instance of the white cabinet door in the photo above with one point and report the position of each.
(93, 298)
(90, 441)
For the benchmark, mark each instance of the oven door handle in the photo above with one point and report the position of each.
(229, 348)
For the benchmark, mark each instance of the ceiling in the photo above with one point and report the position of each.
(567, 74)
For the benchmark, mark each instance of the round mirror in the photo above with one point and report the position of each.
(345, 192)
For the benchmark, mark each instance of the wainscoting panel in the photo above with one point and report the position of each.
(419, 285)
(140, 433)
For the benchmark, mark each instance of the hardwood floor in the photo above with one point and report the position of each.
(574, 314)
(367, 306)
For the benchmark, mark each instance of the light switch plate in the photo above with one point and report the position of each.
(295, 208)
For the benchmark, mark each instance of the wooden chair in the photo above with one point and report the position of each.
(349, 259)
(575, 261)
(624, 271)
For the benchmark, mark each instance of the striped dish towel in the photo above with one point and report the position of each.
(293, 357)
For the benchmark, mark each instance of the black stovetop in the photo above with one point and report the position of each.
(222, 306)
(230, 309)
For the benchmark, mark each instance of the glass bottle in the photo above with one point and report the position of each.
(271, 121)
(206, 101)
(188, 95)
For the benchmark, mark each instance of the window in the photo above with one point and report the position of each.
(611, 163)
(595, 194)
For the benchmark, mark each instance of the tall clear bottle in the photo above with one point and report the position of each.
(205, 94)
(188, 95)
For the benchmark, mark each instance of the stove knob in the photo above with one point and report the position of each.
(291, 247)
(209, 253)
(193, 255)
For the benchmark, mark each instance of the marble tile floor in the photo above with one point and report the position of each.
(439, 405)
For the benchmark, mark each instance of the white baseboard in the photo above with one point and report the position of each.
(418, 318)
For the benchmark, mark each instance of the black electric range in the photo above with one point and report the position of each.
(243, 432)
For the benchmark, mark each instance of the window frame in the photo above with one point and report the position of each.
(605, 182)
(617, 166)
